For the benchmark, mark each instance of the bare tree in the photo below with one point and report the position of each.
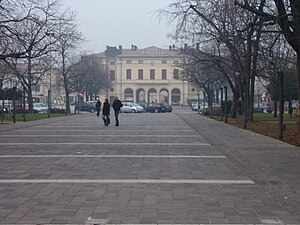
(286, 14)
(33, 41)
(69, 39)
(91, 76)
(211, 22)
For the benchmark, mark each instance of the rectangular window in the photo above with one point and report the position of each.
(128, 61)
(176, 74)
(128, 74)
(37, 88)
(112, 63)
(141, 74)
(176, 62)
(164, 74)
(112, 75)
(140, 61)
(164, 61)
(152, 74)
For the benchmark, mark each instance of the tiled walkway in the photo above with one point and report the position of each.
(171, 168)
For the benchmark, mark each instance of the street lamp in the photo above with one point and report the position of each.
(225, 106)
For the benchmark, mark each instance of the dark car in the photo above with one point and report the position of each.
(169, 107)
(85, 106)
(156, 107)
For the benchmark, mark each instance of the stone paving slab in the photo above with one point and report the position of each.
(113, 202)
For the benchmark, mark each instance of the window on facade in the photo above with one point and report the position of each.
(37, 88)
(176, 62)
(112, 63)
(176, 74)
(140, 61)
(128, 74)
(164, 61)
(112, 75)
(164, 74)
(152, 74)
(141, 74)
(128, 61)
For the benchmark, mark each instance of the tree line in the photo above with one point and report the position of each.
(237, 43)
(39, 37)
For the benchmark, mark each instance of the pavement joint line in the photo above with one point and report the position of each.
(127, 181)
(97, 135)
(101, 143)
(113, 156)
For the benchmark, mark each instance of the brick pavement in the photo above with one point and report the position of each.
(174, 168)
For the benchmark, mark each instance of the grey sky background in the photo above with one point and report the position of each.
(121, 22)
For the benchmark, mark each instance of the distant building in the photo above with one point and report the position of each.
(146, 75)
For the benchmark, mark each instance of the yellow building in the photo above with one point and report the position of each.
(146, 75)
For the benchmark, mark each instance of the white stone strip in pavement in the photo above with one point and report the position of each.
(105, 131)
(97, 135)
(99, 143)
(114, 156)
(127, 181)
(124, 126)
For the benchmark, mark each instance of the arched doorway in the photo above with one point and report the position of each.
(175, 96)
(140, 95)
(164, 95)
(128, 95)
(152, 95)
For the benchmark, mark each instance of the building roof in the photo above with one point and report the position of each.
(135, 52)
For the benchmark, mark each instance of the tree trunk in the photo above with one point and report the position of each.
(251, 98)
(29, 87)
(298, 70)
(234, 104)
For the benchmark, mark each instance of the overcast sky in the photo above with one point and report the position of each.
(121, 22)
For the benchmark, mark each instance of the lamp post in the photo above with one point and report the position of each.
(225, 107)
(222, 111)
(198, 103)
(14, 104)
(245, 116)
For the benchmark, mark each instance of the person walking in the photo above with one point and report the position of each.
(98, 107)
(117, 105)
(106, 112)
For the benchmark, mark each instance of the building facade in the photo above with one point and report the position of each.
(146, 75)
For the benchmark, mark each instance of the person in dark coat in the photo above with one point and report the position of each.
(117, 105)
(98, 107)
(106, 112)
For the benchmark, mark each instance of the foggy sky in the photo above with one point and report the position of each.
(121, 22)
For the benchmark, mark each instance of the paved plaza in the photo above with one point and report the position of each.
(155, 168)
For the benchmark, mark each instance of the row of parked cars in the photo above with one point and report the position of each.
(37, 108)
(128, 107)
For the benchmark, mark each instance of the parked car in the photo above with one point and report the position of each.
(85, 106)
(169, 107)
(194, 106)
(130, 107)
(40, 107)
(156, 107)
(58, 108)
